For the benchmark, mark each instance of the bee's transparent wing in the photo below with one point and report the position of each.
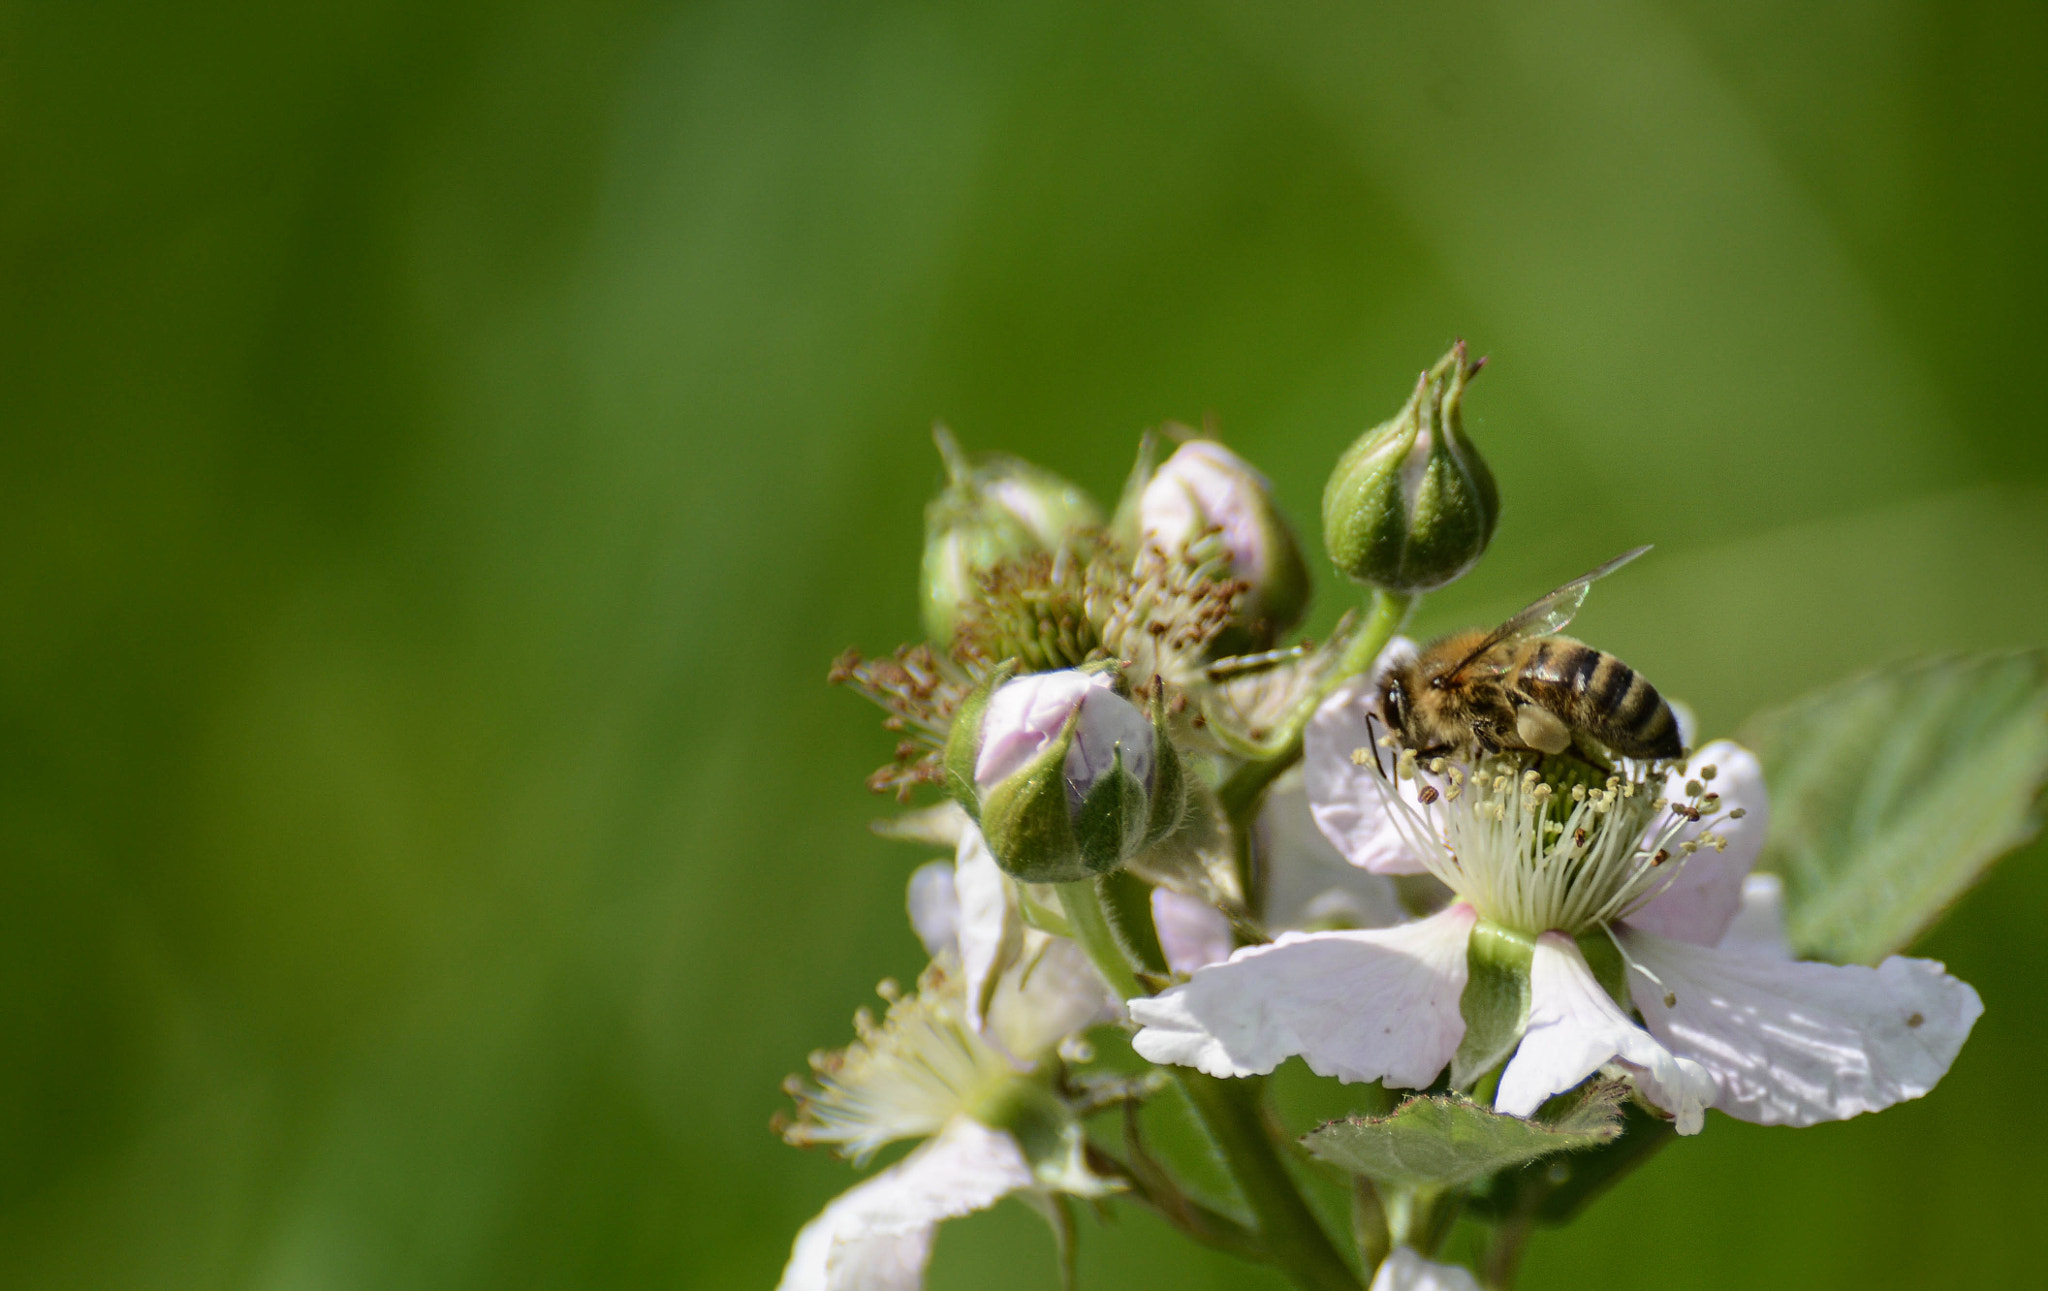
(1548, 614)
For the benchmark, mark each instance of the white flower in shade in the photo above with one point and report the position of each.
(934, 1068)
(1404, 1270)
(1653, 862)
(1304, 882)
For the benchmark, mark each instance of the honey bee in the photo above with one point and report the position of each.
(1523, 687)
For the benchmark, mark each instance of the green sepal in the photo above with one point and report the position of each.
(1127, 899)
(1110, 824)
(963, 741)
(1048, 1133)
(1169, 778)
(1495, 1004)
(1447, 1141)
(1026, 822)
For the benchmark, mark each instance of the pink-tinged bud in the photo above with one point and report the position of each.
(1067, 778)
(1205, 488)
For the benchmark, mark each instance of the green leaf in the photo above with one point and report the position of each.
(1444, 1141)
(1892, 792)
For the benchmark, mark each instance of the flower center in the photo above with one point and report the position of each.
(1568, 852)
(904, 1077)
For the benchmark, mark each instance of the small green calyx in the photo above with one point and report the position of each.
(1412, 505)
(1046, 1130)
(1495, 1004)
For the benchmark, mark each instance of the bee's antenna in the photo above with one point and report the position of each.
(1370, 719)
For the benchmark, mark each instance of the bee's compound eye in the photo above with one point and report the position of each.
(1394, 703)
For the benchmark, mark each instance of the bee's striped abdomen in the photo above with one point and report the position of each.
(1600, 695)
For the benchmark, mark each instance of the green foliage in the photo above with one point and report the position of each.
(1893, 791)
(1443, 1140)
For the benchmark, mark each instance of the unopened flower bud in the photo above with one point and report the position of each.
(1067, 778)
(1412, 505)
(1205, 487)
(994, 508)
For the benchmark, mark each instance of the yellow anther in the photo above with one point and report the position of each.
(1694, 788)
(1738, 813)
(1436, 766)
(1361, 756)
(1578, 793)
(1688, 847)
(1709, 771)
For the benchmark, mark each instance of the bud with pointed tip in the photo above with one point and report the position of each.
(1204, 487)
(1412, 505)
(994, 508)
(1066, 777)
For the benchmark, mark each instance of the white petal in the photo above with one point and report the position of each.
(935, 908)
(1342, 794)
(1371, 1005)
(990, 928)
(1759, 927)
(1051, 992)
(1794, 1043)
(1575, 1028)
(877, 1235)
(1306, 879)
(1707, 893)
(1193, 933)
(1404, 1270)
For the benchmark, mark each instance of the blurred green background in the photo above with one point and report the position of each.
(444, 445)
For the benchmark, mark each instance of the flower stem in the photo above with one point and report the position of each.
(1242, 792)
(1289, 1232)
(1088, 923)
(1293, 1238)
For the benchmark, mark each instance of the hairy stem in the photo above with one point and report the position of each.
(1289, 1234)
(1294, 1239)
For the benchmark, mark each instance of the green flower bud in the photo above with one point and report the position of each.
(1411, 505)
(1067, 779)
(994, 508)
(1204, 488)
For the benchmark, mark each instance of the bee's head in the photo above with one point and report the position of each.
(1394, 702)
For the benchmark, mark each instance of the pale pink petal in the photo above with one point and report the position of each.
(1795, 1043)
(990, 928)
(1193, 933)
(1575, 1029)
(1404, 1270)
(935, 908)
(1370, 1005)
(1025, 716)
(1307, 880)
(877, 1235)
(1759, 927)
(1707, 893)
(1342, 794)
